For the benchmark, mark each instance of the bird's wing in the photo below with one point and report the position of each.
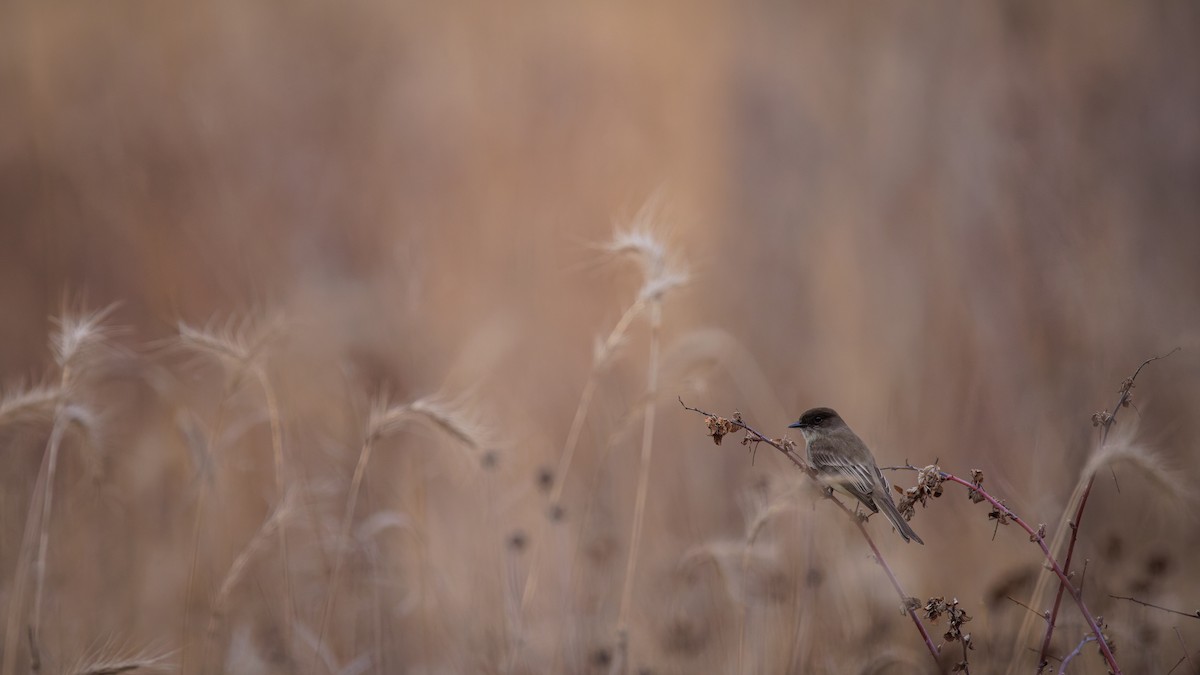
(834, 467)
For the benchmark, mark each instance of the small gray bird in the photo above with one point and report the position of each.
(843, 461)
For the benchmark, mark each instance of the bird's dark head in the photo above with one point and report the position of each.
(818, 418)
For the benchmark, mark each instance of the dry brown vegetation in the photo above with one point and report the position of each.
(364, 354)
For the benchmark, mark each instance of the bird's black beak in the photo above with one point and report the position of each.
(796, 425)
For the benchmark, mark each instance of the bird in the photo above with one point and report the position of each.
(841, 460)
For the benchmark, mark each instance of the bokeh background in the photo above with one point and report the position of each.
(961, 225)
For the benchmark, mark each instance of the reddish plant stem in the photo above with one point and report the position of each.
(1078, 648)
(1065, 582)
(904, 599)
(1106, 423)
(792, 454)
(1052, 618)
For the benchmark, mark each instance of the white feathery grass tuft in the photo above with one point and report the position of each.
(452, 418)
(660, 275)
(238, 342)
(239, 345)
(79, 334)
(34, 403)
(1122, 449)
(660, 272)
(111, 659)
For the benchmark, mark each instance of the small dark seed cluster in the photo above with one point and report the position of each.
(929, 484)
(934, 609)
(977, 479)
(719, 427)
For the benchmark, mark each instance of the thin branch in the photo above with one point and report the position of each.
(1106, 421)
(281, 487)
(620, 663)
(1182, 646)
(1049, 656)
(788, 449)
(1043, 615)
(605, 353)
(1038, 537)
(1193, 615)
(1078, 648)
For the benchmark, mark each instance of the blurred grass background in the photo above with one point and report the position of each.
(960, 225)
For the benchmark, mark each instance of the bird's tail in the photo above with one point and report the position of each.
(902, 526)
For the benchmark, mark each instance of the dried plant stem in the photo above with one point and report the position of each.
(1052, 617)
(531, 577)
(1036, 536)
(1186, 653)
(343, 535)
(1106, 423)
(384, 422)
(412, 469)
(751, 537)
(1062, 669)
(237, 569)
(280, 490)
(603, 357)
(904, 598)
(1143, 603)
(43, 491)
(797, 459)
(24, 562)
(198, 520)
(53, 448)
(621, 660)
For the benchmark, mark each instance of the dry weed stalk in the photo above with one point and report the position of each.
(603, 356)
(934, 609)
(1105, 420)
(79, 339)
(659, 277)
(930, 485)
(1191, 615)
(274, 522)
(643, 485)
(281, 488)
(719, 427)
(446, 418)
(760, 511)
(239, 346)
(1062, 669)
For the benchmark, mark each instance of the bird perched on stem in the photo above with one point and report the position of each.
(844, 462)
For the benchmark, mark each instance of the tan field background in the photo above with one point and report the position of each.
(960, 224)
